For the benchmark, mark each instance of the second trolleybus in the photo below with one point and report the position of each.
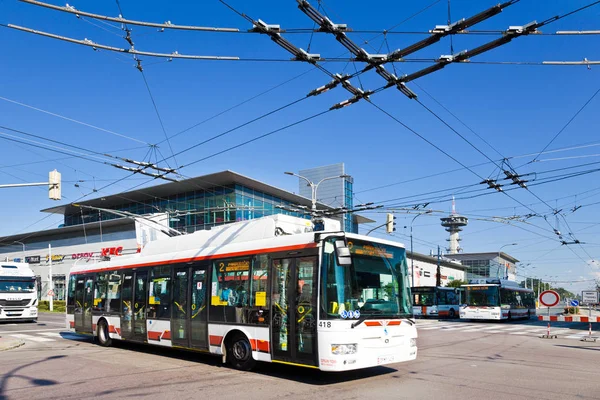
(497, 299)
(269, 289)
(436, 301)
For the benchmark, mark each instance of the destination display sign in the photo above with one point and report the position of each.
(369, 250)
(234, 266)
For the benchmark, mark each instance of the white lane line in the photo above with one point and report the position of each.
(32, 338)
(433, 327)
(516, 328)
(520, 333)
(481, 329)
(40, 339)
(51, 334)
(459, 328)
(31, 330)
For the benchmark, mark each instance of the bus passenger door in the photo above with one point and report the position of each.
(189, 326)
(294, 308)
(140, 294)
(83, 304)
(198, 312)
(127, 305)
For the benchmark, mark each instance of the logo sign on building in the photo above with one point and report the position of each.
(32, 259)
(549, 298)
(77, 256)
(112, 251)
(589, 297)
(56, 257)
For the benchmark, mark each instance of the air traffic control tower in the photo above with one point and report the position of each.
(454, 224)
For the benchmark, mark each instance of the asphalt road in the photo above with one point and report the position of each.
(457, 360)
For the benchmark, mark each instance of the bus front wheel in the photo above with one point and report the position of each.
(452, 313)
(103, 336)
(239, 353)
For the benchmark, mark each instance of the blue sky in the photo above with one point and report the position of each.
(517, 109)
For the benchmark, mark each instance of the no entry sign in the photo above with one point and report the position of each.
(549, 298)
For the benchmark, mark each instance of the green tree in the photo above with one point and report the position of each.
(456, 283)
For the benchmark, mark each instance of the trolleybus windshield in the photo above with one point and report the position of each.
(375, 284)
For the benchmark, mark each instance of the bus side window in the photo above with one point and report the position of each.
(159, 299)
(114, 293)
(71, 294)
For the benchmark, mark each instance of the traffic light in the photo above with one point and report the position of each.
(390, 225)
(54, 185)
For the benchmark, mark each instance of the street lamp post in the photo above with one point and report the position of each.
(412, 256)
(22, 244)
(500, 259)
(315, 186)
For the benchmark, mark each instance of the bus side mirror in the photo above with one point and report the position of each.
(342, 253)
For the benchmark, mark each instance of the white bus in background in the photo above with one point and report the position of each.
(18, 294)
(436, 301)
(497, 299)
(269, 289)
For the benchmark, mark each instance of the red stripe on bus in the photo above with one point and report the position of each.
(372, 323)
(152, 335)
(186, 260)
(94, 327)
(260, 345)
(118, 331)
(392, 323)
(215, 340)
(112, 329)
(166, 335)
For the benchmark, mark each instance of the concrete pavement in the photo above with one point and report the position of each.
(10, 343)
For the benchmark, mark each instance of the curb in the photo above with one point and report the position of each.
(6, 344)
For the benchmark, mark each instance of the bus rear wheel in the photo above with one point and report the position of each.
(239, 353)
(103, 336)
(452, 313)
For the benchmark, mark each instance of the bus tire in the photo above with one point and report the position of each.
(103, 337)
(452, 313)
(239, 352)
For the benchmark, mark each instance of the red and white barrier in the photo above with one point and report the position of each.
(568, 318)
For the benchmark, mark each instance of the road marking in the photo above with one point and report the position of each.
(31, 330)
(32, 338)
(516, 328)
(481, 329)
(520, 333)
(51, 334)
(455, 328)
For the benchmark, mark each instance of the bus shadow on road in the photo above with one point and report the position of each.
(280, 371)
(319, 378)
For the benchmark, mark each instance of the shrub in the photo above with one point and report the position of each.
(571, 310)
(58, 305)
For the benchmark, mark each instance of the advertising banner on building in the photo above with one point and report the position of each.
(148, 229)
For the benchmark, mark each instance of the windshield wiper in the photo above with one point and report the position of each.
(363, 317)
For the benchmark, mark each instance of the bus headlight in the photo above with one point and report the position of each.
(413, 342)
(343, 348)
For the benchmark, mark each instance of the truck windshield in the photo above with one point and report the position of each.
(486, 296)
(375, 284)
(17, 285)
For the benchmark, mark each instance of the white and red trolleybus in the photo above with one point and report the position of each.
(436, 301)
(495, 299)
(269, 289)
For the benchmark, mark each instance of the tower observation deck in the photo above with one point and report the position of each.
(454, 224)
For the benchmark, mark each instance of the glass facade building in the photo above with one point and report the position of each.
(197, 209)
(332, 192)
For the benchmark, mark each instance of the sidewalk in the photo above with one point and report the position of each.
(10, 343)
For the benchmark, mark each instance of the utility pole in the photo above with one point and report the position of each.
(50, 285)
(438, 275)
